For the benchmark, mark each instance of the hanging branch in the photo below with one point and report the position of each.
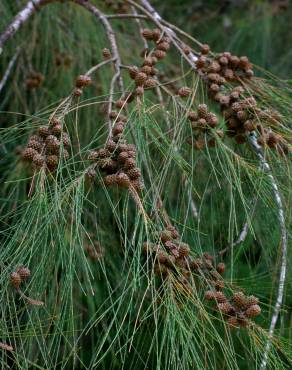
(267, 169)
(8, 70)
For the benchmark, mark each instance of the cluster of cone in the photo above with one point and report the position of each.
(118, 159)
(46, 148)
(144, 76)
(203, 124)
(224, 74)
(172, 257)
(238, 310)
(17, 278)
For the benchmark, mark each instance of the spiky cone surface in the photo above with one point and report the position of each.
(52, 162)
(24, 273)
(140, 78)
(251, 300)
(57, 130)
(226, 308)
(239, 299)
(110, 180)
(184, 249)
(36, 145)
(65, 139)
(159, 54)
(82, 81)
(39, 160)
(15, 279)
(106, 53)
(253, 311)
(220, 297)
(150, 83)
(28, 154)
(44, 131)
(123, 180)
(184, 91)
(233, 322)
(134, 173)
(165, 235)
(210, 295)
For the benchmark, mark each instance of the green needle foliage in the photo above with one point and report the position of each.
(101, 271)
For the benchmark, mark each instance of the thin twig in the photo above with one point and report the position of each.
(8, 70)
(267, 169)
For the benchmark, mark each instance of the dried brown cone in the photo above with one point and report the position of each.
(147, 34)
(239, 299)
(210, 295)
(146, 69)
(15, 279)
(184, 91)
(110, 180)
(134, 173)
(205, 49)
(36, 145)
(129, 164)
(39, 160)
(220, 268)
(184, 249)
(253, 311)
(52, 162)
(233, 322)
(160, 54)
(106, 53)
(82, 81)
(44, 131)
(139, 91)
(150, 83)
(165, 235)
(156, 34)
(24, 273)
(121, 104)
(140, 78)
(133, 71)
(164, 46)
(251, 300)
(220, 297)
(226, 308)
(57, 130)
(123, 180)
(28, 154)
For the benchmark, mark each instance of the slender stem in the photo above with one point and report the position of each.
(282, 277)
(8, 70)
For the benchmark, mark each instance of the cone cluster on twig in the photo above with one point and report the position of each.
(237, 310)
(144, 76)
(172, 257)
(118, 159)
(48, 146)
(204, 127)
(17, 278)
(227, 76)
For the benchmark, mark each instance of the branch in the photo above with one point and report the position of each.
(32, 6)
(267, 169)
(8, 70)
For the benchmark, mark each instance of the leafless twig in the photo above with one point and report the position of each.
(267, 169)
(8, 70)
